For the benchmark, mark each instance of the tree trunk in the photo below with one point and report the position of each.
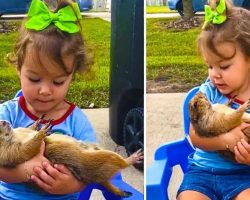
(187, 9)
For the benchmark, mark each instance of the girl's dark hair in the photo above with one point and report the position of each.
(236, 29)
(54, 43)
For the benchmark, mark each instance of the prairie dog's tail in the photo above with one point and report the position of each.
(106, 156)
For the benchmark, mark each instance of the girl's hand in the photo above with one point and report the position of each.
(29, 165)
(232, 138)
(242, 152)
(56, 180)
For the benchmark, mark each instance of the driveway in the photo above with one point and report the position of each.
(164, 124)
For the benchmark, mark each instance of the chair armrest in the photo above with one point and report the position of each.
(175, 152)
(160, 171)
(118, 182)
(19, 93)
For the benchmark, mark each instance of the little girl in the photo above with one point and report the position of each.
(50, 50)
(224, 44)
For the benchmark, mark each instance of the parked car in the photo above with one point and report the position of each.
(198, 5)
(21, 7)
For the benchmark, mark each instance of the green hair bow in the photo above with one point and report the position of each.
(216, 16)
(40, 17)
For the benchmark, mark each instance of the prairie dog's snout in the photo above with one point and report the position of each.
(198, 106)
(5, 128)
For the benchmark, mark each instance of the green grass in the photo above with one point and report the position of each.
(85, 89)
(173, 54)
(157, 9)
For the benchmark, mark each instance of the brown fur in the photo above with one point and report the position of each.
(87, 162)
(212, 120)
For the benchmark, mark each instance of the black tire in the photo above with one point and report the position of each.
(179, 8)
(133, 132)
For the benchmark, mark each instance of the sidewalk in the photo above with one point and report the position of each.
(162, 15)
(103, 15)
(164, 123)
(99, 118)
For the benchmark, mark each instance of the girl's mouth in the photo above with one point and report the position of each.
(220, 86)
(42, 101)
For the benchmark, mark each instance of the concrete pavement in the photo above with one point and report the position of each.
(103, 15)
(162, 15)
(164, 123)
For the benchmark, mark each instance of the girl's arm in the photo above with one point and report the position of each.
(222, 142)
(13, 175)
(22, 172)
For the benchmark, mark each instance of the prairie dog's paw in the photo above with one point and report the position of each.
(136, 157)
(248, 104)
(46, 128)
(37, 123)
(231, 100)
(126, 194)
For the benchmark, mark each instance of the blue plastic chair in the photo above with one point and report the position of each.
(167, 156)
(116, 180)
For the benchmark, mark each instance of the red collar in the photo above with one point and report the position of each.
(33, 117)
(235, 100)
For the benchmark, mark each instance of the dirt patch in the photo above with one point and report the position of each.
(8, 27)
(166, 87)
(185, 24)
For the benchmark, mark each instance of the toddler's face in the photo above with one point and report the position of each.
(231, 73)
(44, 83)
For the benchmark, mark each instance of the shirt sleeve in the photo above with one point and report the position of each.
(5, 114)
(83, 128)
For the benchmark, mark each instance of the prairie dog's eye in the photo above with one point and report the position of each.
(195, 104)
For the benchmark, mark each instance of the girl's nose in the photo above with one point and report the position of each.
(45, 89)
(215, 73)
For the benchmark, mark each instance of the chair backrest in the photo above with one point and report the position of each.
(186, 119)
(19, 93)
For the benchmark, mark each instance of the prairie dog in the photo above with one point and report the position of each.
(87, 162)
(212, 120)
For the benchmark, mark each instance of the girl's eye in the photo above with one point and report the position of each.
(58, 83)
(210, 67)
(34, 80)
(224, 67)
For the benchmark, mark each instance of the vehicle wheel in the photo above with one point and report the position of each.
(179, 8)
(133, 132)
